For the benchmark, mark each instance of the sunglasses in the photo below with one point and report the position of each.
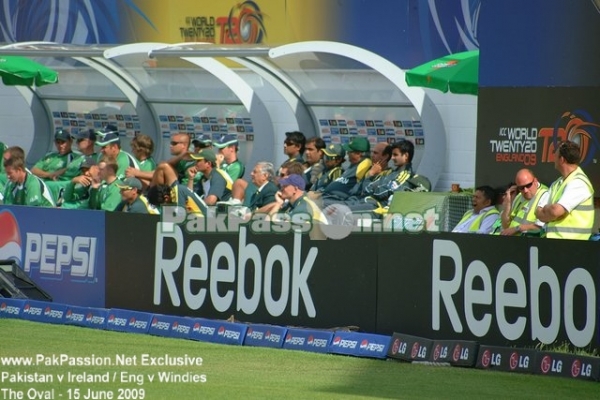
(523, 187)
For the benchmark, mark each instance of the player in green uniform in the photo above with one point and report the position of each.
(77, 192)
(3, 178)
(142, 148)
(85, 141)
(54, 165)
(110, 144)
(227, 158)
(24, 188)
(106, 195)
(180, 163)
(215, 185)
(133, 201)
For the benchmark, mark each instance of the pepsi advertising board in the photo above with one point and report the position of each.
(42, 311)
(62, 251)
(265, 335)
(218, 331)
(171, 326)
(128, 321)
(11, 308)
(313, 340)
(359, 344)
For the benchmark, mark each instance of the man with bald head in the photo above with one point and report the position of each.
(519, 207)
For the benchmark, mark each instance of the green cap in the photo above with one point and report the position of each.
(204, 154)
(358, 143)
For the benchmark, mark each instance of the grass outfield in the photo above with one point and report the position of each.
(236, 372)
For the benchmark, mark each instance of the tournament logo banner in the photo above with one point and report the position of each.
(410, 348)
(522, 136)
(11, 308)
(308, 340)
(507, 359)
(360, 344)
(265, 335)
(460, 353)
(128, 321)
(41, 311)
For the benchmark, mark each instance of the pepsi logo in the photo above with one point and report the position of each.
(10, 237)
(364, 344)
(221, 331)
(337, 340)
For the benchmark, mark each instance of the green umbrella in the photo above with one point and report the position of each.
(21, 71)
(458, 73)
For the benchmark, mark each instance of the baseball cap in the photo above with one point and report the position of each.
(89, 161)
(203, 138)
(225, 140)
(130, 183)
(110, 134)
(294, 180)
(358, 143)
(62, 134)
(204, 154)
(85, 134)
(334, 150)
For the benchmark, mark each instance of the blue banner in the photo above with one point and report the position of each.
(42, 311)
(265, 335)
(11, 308)
(308, 340)
(171, 326)
(360, 344)
(218, 331)
(61, 250)
(128, 321)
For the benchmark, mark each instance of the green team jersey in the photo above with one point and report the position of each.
(73, 170)
(147, 165)
(181, 168)
(53, 162)
(139, 206)
(76, 196)
(124, 161)
(32, 192)
(3, 148)
(235, 170)
(106, 197)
